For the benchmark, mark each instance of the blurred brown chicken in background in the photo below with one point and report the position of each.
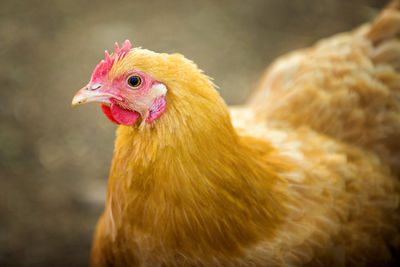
(53, 174)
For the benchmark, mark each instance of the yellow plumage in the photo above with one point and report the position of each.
(305, 174)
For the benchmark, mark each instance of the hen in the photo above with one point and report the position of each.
(306, 173)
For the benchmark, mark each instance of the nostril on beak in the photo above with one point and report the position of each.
(94, 87)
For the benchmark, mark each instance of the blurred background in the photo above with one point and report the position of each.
(54, 160)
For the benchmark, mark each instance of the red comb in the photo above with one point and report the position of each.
(126, 47)
(103, 68)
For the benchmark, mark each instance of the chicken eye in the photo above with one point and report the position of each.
(134, 81)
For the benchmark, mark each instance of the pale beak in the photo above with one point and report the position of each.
(86, 95)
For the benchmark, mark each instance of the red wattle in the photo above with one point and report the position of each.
(118, 115)
(107, 111)
(124, 116)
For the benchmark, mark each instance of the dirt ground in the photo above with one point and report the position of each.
(54, 160)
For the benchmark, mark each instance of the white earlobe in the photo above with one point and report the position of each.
(159, 89)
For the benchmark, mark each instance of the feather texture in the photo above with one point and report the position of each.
(307, 173)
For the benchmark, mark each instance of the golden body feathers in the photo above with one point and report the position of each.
(304, 174)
